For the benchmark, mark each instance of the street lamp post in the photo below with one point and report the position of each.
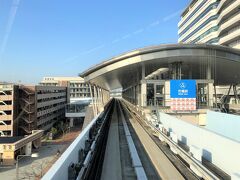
(32, 155)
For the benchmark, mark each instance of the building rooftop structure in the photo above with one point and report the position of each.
(78, 89)
(7, 140)
(60, 81)
(11, 147)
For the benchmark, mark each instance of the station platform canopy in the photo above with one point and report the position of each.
(196, 61)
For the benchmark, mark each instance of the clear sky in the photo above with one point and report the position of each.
(65, 37)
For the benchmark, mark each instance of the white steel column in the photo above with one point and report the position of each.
(92, 96)
(210, 94)
(143, 87)
(210, 86)
(143, 94)
(95, 99)
(208, 73)
(100, 104)
(139, 94)
(71, 122)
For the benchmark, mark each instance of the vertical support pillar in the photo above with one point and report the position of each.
(92, 96)
(143, 94)
(174, 71)
(143, 87)
(108, 95)
(208, 74)
(190, 73)
(95, 99)
(71, 122)
(143, 71)
(210, 94)
(210, 86)
(28, 148)
(135, 95)
(215, 92)
(235, 93)
(100, 98)
(179, 70)
(139, 94)
(104, 96)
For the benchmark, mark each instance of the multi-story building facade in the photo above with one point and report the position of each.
(8, 109)
(79, 96)
(42, 106)
(211, 22)
(78, 89)
(27, 108)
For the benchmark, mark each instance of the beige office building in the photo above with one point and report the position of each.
(8, 109)
(211, 22)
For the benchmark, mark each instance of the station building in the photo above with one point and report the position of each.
(149, 72)
(146, 77)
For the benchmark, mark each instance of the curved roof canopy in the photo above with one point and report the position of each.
(125, 70)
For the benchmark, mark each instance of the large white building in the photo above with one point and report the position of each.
(78, 89)
(212, 22)
(79, 96)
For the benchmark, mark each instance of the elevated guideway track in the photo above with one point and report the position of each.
(118, 145)
(125, 158)
(126, 150)
(186, 165)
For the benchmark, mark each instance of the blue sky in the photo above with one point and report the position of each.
(65, 37)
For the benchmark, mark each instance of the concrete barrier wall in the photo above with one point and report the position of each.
(221, 151)
(225, 124)
(59, 170)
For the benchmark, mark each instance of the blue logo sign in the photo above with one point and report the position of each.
(182, 88)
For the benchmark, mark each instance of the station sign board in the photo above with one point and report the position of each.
(183, 95)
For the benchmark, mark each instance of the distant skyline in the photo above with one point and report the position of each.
(63, 38)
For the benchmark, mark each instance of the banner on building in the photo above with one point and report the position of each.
(183, 95)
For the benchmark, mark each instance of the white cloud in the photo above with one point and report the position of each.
(173, 15)
(74, 58)
(8, 29)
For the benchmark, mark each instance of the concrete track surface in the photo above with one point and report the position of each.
(118, 161)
